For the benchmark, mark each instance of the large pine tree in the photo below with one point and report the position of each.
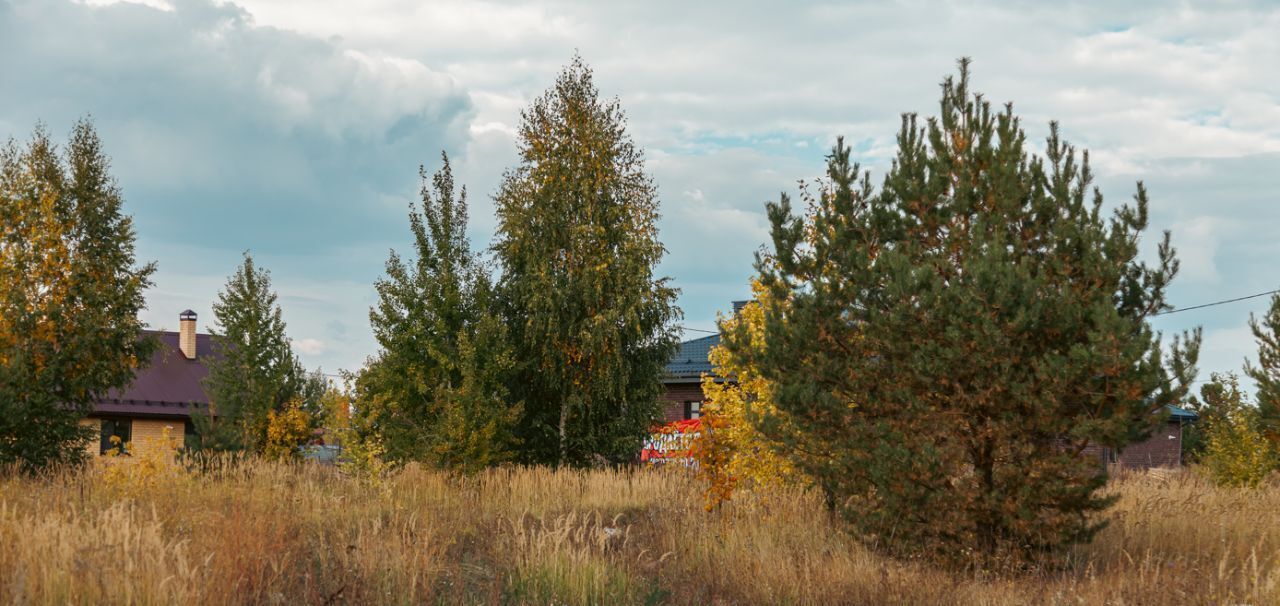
(70, 294)
(253, 370)
(949, 346)
(578, 244)
(436, 391)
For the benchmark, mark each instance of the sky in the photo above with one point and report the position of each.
(295, 130)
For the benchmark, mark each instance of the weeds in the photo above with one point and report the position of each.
(292, 533)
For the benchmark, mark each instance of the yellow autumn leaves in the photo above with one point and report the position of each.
(732, 453)
(286, 430)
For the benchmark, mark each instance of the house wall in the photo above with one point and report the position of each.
(146, 435)
(1162, 449)
(675, 397)
(149, 435)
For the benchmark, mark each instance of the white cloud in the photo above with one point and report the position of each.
(1198, 245)
(163, 5)
(311, 346)
(306, 121)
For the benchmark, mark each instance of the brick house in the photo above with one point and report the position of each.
(683, 397)
(1162, 449)
(683, 379)
(161, 396)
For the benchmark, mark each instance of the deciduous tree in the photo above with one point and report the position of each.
(578, 244)
(436, 392)
(70, 293)
(733, 452)
(1236, 452)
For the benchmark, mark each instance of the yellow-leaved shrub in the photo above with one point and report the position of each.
(132, 472)
(286, 430)
(1237, 453)
(732, 453)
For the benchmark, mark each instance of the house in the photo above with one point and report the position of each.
(683, 401)
(682, 382)
(1162, 449)
(161, 397)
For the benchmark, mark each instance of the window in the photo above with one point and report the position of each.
(117, 428)
(692, 410)
(190, 439)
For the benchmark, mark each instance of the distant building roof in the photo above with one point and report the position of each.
(168, 387)
(692, 359)
(1181, 414)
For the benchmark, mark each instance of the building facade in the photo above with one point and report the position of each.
(154, 411)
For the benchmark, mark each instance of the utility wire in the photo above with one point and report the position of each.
(1174, 311)
(1163, 313)
(710, 332)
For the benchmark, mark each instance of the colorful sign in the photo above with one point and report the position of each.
(671, 443)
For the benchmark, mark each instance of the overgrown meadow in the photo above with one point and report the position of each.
(279, 533)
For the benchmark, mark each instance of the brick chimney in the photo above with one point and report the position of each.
(187, 334)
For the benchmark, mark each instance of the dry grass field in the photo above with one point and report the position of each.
(295, 534)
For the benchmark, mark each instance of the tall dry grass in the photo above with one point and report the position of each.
(272, 533)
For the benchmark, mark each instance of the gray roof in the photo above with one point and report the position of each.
(692, 359)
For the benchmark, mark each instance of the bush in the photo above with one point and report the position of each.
(1236, 451)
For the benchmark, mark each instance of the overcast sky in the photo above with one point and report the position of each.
(295, 129)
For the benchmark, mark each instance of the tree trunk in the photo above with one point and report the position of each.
(987, 525)
(564, 438)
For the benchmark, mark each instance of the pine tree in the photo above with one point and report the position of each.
(70, 294)
(253, 370)
(436, 391)
(1267, 373)
(949, 346)
(578, 244)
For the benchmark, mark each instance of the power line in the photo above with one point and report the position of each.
(1163, 313)
(1174, 311)
(710, 332)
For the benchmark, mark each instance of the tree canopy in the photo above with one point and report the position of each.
(252, 369)
(436, 391)
(577, 243)
(949, 345)
(70, 293)
(1266, 373)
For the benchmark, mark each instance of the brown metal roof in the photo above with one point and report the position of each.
(168, 387)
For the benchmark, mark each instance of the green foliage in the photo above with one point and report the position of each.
(1267, 373)
(252, 370)
(1236, 453)
(335, 415)
(951, 344)
(1219, 398)
(70, 294)
(436, 392)
(312, 390)
(578, 244)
